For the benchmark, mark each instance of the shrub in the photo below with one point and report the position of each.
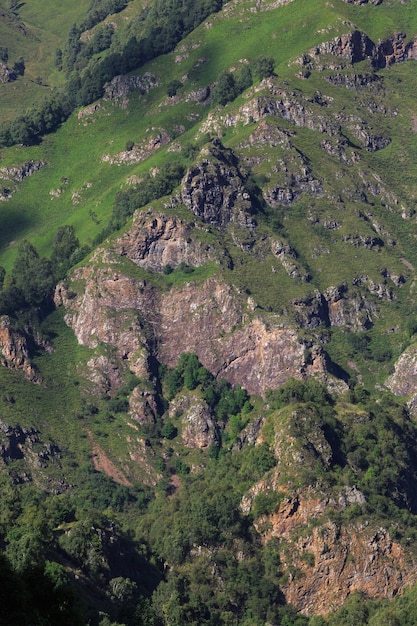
(173, 87)
(264, 67)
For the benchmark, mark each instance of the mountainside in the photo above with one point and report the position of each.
(208, 312)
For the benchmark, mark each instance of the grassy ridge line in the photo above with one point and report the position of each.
(32, 213)
(34, 33)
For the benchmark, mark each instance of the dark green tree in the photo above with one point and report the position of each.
(19, 67)
(4, 54)
(225, 90)
(33, 276)
(64, 245)
(264, 67)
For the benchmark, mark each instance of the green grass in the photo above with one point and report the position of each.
(75, 152)
(34, 33)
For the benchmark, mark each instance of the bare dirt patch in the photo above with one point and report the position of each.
(102, 463)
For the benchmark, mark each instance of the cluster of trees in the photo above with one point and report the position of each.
(41, 531)
(374, 348)
(99, 10)
(162, 26)
(232, 579)
(371, 447)
(156, 31)
(40, 596)
(224, 400)
(33, 278)
(229, 85)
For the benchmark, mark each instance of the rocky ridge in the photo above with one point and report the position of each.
(340, 560)
(15, 350)
(14, 175)
(25, 444)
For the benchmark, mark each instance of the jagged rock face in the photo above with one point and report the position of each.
(14, 175)
(214, 190)
(210, 319)
(108, 312)
(356, 557)
(403, 382)
(120, 86)
(7, 75)
(285, 105)
(344, 560)
(302, 111)
(357, 46)
(354, 46)
(158, 240)
(18, 173)
(24, 455)
(104, 373)
(336, 307)
(199, 429)
(354, 81)
(15, 350)
(360, 2)
(257, 355)
(139, 153)
(267, 134)
(142, 406)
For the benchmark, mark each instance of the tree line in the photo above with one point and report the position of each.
(156, 31)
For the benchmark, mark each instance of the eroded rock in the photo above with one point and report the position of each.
(214, 189)
(15, 350)
(156, 241)
(199, 429)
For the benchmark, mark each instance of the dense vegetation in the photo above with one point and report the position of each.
(232, 579)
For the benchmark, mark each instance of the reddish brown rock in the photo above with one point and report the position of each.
(158, 240)
(341, 559)
(15, 351)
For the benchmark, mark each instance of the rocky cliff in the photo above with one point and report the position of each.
(327, 564)
(210, 318)
(15, 349)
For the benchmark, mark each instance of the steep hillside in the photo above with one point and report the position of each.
(208, 311)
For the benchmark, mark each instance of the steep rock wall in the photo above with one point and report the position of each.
(210, 319)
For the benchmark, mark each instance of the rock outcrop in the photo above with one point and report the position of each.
(275, 101)
(7, 75)
(357, 46)
(403, 382)
(25, 446)
(15, 350)
(336, 307)
(211, 319)
(138, 153)
(214, 189)
(120, 86)
(199, 429)
(142, 406)
(356, 557)
(158, 240)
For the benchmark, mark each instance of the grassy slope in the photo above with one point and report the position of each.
(75, 151)
(285, 33)
(34, 32)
